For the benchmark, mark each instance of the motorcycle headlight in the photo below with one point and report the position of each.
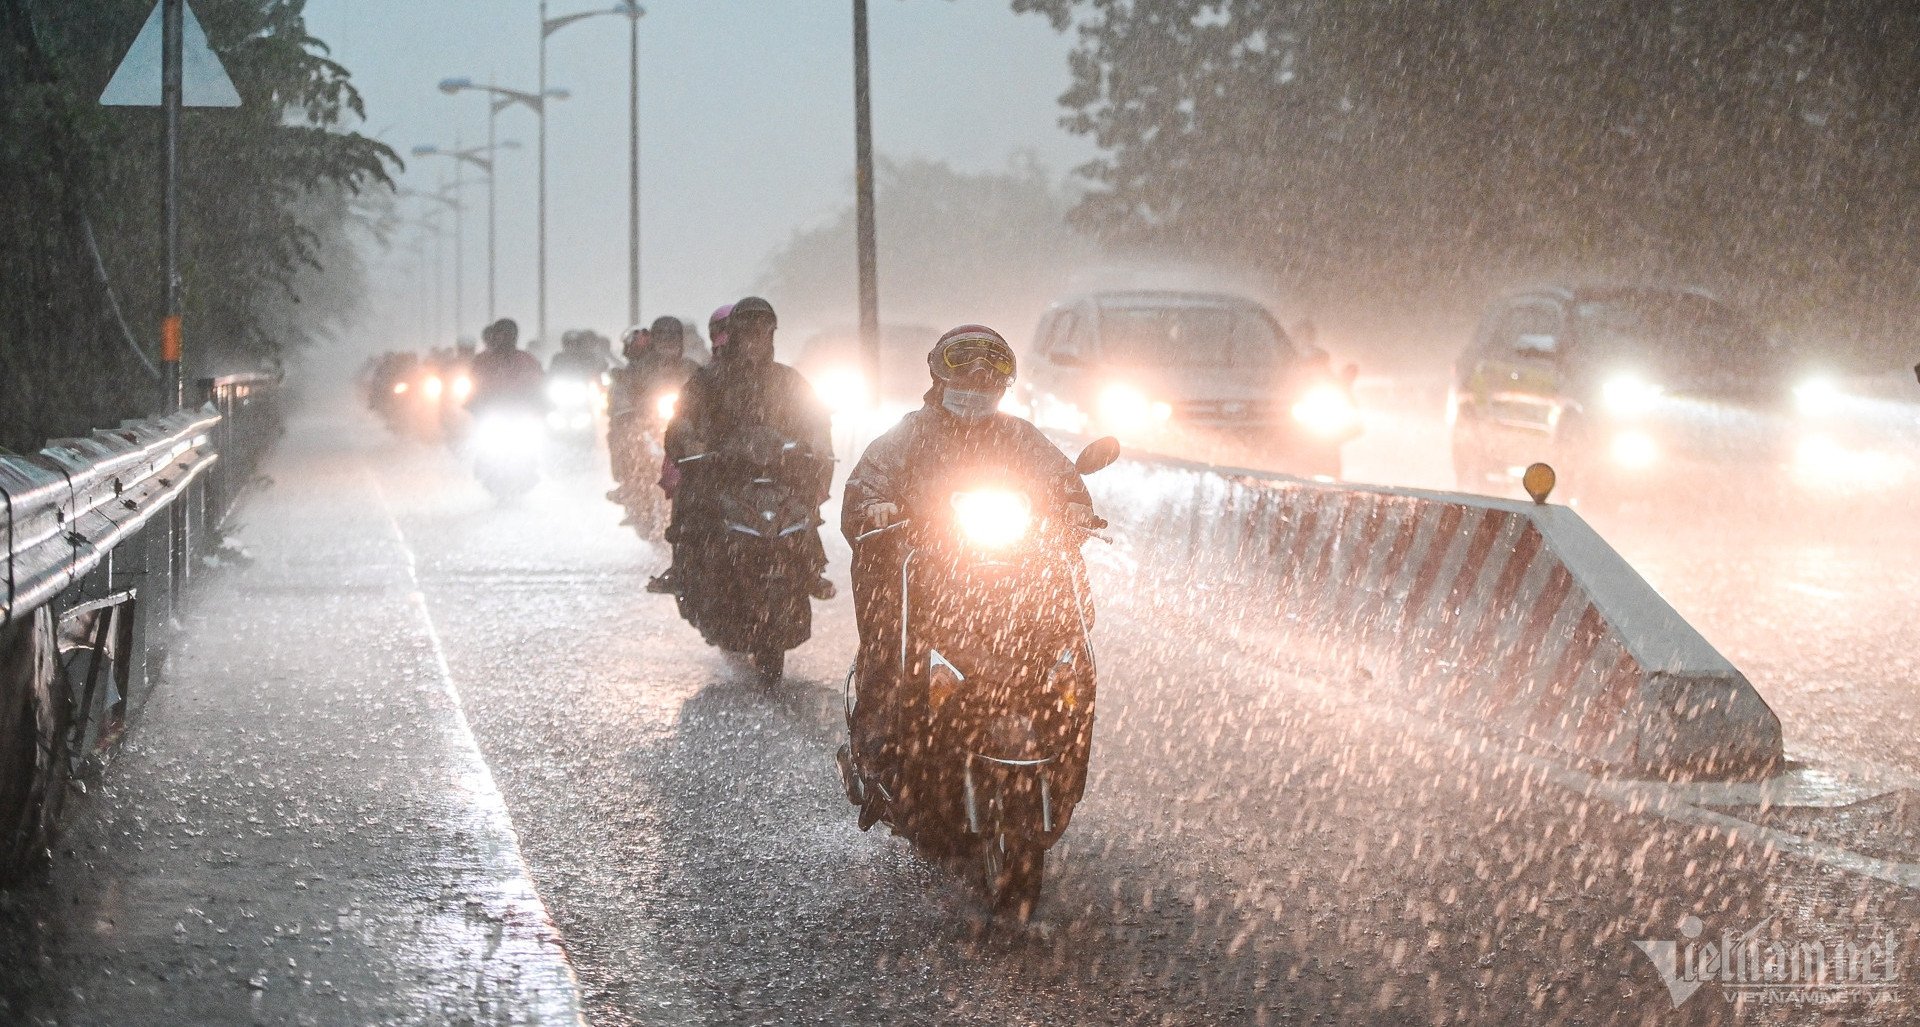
(992, 518)
(1326, 411)
(400, 388)
(462, 387)
(1628, 395)
(508, 437)
(433, 386)
(666, 405)
(565, 392)
(1122, 407)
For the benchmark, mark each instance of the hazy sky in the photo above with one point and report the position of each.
(746, 127)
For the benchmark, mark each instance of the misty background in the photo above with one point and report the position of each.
(1381, 166)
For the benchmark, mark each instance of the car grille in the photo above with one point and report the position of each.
(1216, 411)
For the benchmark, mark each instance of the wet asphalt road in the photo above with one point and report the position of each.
(1261, 843)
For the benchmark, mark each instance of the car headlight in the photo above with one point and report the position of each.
(433, 386)
(666, 405)
(1628, 395)
(992, 518)
(1122, 406)
(1634, 450)
(462, 387)
(1817, 397)
(400, 388)
(844, 390)
(1327, 411)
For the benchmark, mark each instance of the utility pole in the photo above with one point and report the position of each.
(863, 206)
(173, 394)
(459, 252)
(540, 305)
(493, 146)
(633, 166)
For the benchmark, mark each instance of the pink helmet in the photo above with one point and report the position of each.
(717, 328)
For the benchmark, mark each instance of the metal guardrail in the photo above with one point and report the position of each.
(101, 538)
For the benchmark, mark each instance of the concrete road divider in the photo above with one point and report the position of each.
(1517, 617)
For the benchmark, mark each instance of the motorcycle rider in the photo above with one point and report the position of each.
(971, 366)
(505, 376)
(742, 388)
(657, 366)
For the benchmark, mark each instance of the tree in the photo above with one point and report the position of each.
(1420, 149)
(990, 247)
(268, 189)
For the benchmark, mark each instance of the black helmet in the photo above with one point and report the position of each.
(502, 332)
(752, 306)
(667, 328)
(972, 354)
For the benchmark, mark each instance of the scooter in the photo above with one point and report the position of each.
(997, 679)
(760, 534)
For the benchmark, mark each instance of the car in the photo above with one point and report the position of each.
(1629, 392)
(1156, 367)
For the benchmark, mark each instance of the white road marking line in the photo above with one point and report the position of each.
(513, 880)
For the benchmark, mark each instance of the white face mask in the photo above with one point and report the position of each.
(969, 406)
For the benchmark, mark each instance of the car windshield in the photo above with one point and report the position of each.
(1679, 333)
(1187, 336)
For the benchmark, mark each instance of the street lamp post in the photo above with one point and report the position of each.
(633, 12)
(445, 198)
(537, 103)
(480, 157)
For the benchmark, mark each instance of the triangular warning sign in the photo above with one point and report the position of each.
(203, 79)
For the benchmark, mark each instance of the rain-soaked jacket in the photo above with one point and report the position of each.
(931, 438)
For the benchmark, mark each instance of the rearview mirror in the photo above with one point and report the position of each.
(1098, 454)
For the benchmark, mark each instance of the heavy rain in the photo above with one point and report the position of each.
(999, 512)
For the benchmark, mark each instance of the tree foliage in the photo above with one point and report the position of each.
(267, 191)
(954, 247)
(1420, 147)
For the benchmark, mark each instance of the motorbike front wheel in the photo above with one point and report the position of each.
(1012, 869)
(769, 664)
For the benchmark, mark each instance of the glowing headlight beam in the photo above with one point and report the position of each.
(433, 386)
(1123, 407)
(1325, 410)
(666, 405)
(1627, 395)
(844, 390)
(1818, 397)
(992, 518)
(1634, 450)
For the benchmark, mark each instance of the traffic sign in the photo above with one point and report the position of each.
(203, 79)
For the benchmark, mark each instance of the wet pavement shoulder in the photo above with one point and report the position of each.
(300, 828)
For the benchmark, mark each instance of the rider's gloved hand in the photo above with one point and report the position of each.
(879, 515)
(1080, 515)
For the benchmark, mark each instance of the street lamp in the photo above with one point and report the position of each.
(473, 155)
(633, 12)
(537, 103)
(445, 197)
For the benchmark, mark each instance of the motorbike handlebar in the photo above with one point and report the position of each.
(882, 530)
